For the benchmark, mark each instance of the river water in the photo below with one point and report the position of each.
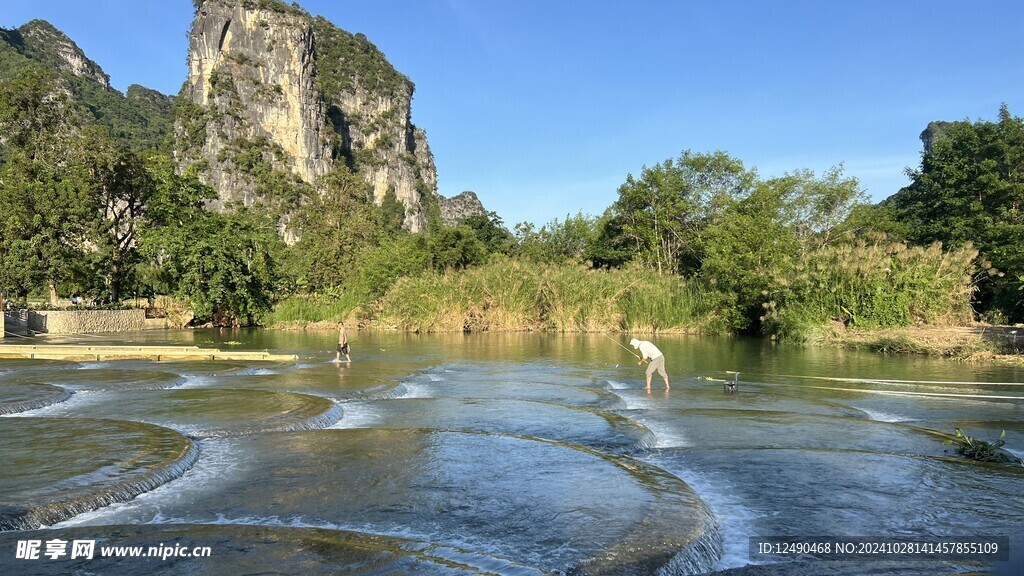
(495, 454)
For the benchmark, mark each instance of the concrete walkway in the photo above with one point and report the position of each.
(97, 353)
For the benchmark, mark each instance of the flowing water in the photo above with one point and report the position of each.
(495, 454)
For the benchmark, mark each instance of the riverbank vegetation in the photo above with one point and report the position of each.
(695, 243)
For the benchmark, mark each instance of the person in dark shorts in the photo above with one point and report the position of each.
(342, 344)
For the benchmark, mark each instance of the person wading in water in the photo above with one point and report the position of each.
(650, 352)
(342, 344)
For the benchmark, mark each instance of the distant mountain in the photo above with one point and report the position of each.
(140, 119)
(274, 98)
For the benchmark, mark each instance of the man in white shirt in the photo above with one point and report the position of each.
(651, 352)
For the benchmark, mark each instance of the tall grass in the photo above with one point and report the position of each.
(307, 309)
(863, 285)
(500, 295)
(517, 295)
(871, 285)
(663, 302)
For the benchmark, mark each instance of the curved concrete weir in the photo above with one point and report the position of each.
(709, 395)
(16, 364)
(185, 368)
(98, 379)
(20, 370)
(571, 424)
(324, 379)
(21, 396)
(549, 505)
(453, 385)
(940, 495)
(69, 466)
(506, 454)
(750, 429)
(205, 413)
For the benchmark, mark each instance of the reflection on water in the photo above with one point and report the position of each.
(509, 454)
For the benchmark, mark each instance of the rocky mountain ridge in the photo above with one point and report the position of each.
(278, 91)
(139, 119)
(459, 207)
(274, 99)
(41, 41)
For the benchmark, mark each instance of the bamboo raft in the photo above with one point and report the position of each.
(98, 353)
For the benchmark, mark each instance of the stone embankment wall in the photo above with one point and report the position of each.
(84, 321)
(15, 323)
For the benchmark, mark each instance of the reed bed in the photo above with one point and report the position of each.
(509, 295)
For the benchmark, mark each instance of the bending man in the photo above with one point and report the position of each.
(651, 352)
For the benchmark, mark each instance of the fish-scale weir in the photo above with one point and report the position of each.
(69, 466)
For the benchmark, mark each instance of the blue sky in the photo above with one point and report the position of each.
(544, 107)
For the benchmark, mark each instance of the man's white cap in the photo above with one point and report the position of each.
(634, 343)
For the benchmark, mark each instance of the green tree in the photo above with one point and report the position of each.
(36, 116)
(573, 237)
(490, 230)
(531, 243)
(119, 189)
(816, 207)
(176, 198)
(45, 209)
(222, 265)
(755, 240)
(44, 223)
(456, 248)
(605, 251)
(969, 187)
(661, 215)
(176, 203)
(749, 244)
(381, 266)
(392, 212)
(336, 223)
(867, 220)
(225, 266)
(577, 238)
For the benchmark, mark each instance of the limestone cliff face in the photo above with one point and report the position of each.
(457, 208)
(369, 106)
(251, 70)
(273, 86)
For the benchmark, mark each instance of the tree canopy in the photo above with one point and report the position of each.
(969, 187)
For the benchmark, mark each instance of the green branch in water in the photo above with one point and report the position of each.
(982, 451)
